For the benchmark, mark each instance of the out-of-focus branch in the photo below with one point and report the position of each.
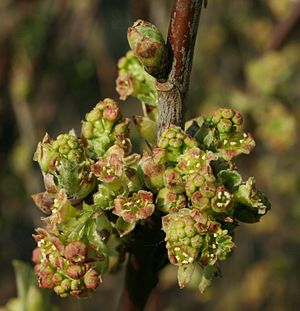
(284, 28)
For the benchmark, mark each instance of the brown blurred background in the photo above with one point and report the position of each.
(58, 58)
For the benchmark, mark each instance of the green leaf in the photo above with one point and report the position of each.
(124, 227)
(184, 274)
(24, 278)
(35, 301)
(147, 128)
(230, 179)
(207, 275)
(252, 203)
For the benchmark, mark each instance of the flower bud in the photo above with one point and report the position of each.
(76, 251)
(184, 230)
(45, 275)
(169, 201)
(66, 285)
(77, 288)
(91, 279)
(176, 142)
(152, 171)
(173, 180)
(148, 45)
(199, 201)
(227, 120)
(75, 271)
(36, 255)
(57, 278)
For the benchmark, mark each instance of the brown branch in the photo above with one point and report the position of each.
(181, 41)
(284, 28)
(147, 257)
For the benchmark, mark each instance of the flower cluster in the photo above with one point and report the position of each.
(69, 269)
(79, 244)
(200, 191)
(134, 81)
(98, 193)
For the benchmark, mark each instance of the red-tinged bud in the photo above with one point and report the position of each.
(173, 180)
(76, 251)
(57, 278)
(102, 127)
(66, 285)
(91, 279)
(36, 255)
(208, 189)
(75, 271)
(199, 201)
(111, 111)
(45, 275)
(77, 288)
(59, 291)
(169, 201)
(152, 173)
(124, 85)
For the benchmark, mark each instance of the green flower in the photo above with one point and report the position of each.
(216, 246)
(138, 206)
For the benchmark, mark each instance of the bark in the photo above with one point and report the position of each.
(181, 41)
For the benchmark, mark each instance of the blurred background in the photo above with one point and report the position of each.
(58, 59)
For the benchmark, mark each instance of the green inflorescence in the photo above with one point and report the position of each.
(98, 193)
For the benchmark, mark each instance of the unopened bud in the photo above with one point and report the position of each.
(76, 251)
(148, 45)
(91, 279)
(75, 271)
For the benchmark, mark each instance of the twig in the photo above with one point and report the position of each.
(181, 41)
(147, 257)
